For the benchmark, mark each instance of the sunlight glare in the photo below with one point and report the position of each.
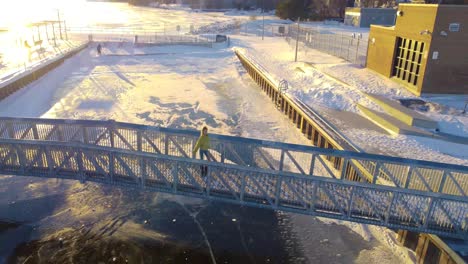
(21, 13)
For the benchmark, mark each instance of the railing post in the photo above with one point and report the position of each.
(350, 204)
(341, 46)
(166, 144)
(10, 130)
(175, 176)
(281, 160)
(357, 49)
(430, 208)
(20, 157)
(111, 128)
(35, 133)
(223, 152)
(60, 132)
(194, 155)
(344, 168)
(111, 166)
(49, 160)
(208, 182)
(79, 161)
(389, 209)
(139, 141)
(85, 135)
(314, 196)
(350, 43)
(442, 182)
(143, 172)
(408, 177)
(312, 164)
(242, 189)
(376, 172)
(278, 191)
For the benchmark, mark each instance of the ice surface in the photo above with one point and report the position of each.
(187, 87)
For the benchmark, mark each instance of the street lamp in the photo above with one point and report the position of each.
(60, 23)
(297, 37)
(263, 12)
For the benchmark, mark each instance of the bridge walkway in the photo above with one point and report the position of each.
(419, 196)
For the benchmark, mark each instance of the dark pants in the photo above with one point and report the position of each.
(204, 169)
(203, 152)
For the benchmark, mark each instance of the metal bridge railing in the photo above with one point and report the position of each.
(344, 200)
(321, 133)
(410, 174)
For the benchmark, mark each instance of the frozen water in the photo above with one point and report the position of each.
(181, 87)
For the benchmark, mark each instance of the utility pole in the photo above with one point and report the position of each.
(263, 12)
(60, 23)
(297, 37)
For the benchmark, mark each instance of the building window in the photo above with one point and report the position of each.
(408, 58)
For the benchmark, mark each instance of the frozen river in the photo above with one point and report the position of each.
(56, 221)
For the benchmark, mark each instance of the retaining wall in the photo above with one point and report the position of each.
(34, 74)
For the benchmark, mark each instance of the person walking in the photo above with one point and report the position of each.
(99, 49)
(203, 143)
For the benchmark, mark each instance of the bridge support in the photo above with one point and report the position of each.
(428, 248)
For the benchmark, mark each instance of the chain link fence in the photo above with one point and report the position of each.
(350, 47)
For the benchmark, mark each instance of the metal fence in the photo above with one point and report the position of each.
(350, 47)
(410, 174)
(16, 58)
(350, 201)
(137, 36)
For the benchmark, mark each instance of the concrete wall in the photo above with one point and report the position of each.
(364, 17)
(414, 21)
(377, 16)
(444, 65)
(381, 50)
(428, 248)
(447, 64)
(416, 18)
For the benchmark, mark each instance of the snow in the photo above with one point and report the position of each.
(216, 92)
(313, 80)
(187, 87)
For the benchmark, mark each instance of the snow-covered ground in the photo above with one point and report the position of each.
(309, 80)
(187, 87)
(183, 87)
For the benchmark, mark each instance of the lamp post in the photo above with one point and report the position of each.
(297, 37)
(60, 23)
(263, 13)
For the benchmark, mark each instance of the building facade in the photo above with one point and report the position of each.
(426, 50)
(364, 17)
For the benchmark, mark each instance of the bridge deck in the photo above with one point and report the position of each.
(298, 159)
(258, 173)
(332, 198)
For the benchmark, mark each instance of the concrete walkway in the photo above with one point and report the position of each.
(360, 81)
(12, 66)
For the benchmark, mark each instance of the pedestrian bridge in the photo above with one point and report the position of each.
(398, 193)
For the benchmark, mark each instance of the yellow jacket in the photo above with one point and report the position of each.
(203, 143)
